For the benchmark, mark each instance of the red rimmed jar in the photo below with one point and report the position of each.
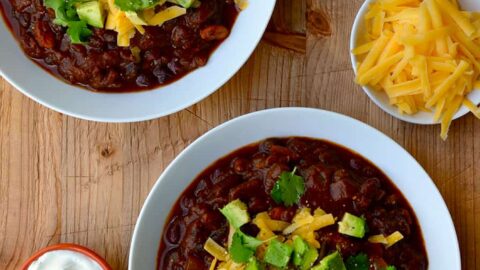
(69, 247)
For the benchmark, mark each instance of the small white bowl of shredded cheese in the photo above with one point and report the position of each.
(65, 257)
(405, 94)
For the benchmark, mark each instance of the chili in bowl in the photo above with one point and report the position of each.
(307, 194)
(180, 51)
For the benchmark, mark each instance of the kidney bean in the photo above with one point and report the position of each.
(43, 34)
(283, 151)
(258, 204)
(346, 245)
(194, 263)
(282, 213)
(342, 190)
(246, 189)
(240, 165)
(214, 32)
(175, 231)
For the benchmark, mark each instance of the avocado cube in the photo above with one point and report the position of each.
(331, 262)
(278, 254)
(352, 225)
(254, 264)
(236, 213)
(309, 258)
(299, 249)
(92, 13)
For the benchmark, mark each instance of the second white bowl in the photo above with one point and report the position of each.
(46, 89)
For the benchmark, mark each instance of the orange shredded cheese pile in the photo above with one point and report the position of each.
(425, 55)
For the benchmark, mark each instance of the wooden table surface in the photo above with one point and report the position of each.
(69, 180)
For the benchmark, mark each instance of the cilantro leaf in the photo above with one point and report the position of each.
(135, 5)
(64, 12)
(391, 267)
(249, 241)
(358, 262)
(78, 32)
(288, 189)
(66, 16)
(243, 247)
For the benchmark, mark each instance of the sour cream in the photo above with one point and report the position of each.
(64, 260)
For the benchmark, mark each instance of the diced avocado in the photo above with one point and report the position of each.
(254, 264)
(278, 254)
(331, 262)
(236, 213)
(352, 225)
(304, 255)
(92, 13)
(184, 3)
(135, 18)
(299, 245)
(299, 249)
(309, 258)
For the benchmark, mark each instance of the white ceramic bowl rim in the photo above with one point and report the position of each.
(51, 92)
(380, 98)
(411, 179)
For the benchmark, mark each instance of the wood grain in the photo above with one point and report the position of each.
(68, 180)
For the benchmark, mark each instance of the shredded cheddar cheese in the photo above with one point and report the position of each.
(388, 241)
(127, 23)
(166, 15)
(302, 218)
(241, 4)
(304, 226)
(261, 220)
(425, 55)
(214, 264)
(378, 239)
(393, 238)
(216, 250)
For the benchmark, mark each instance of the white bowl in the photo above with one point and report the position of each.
(44, 88)
(396, 163)
(380, 98)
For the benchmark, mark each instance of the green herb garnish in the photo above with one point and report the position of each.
(358, 262)
(78, 32)
(243, 247)
(288, 189)
(66, 16)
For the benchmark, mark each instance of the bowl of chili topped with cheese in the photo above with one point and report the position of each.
(180, 50)
(305, 194)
